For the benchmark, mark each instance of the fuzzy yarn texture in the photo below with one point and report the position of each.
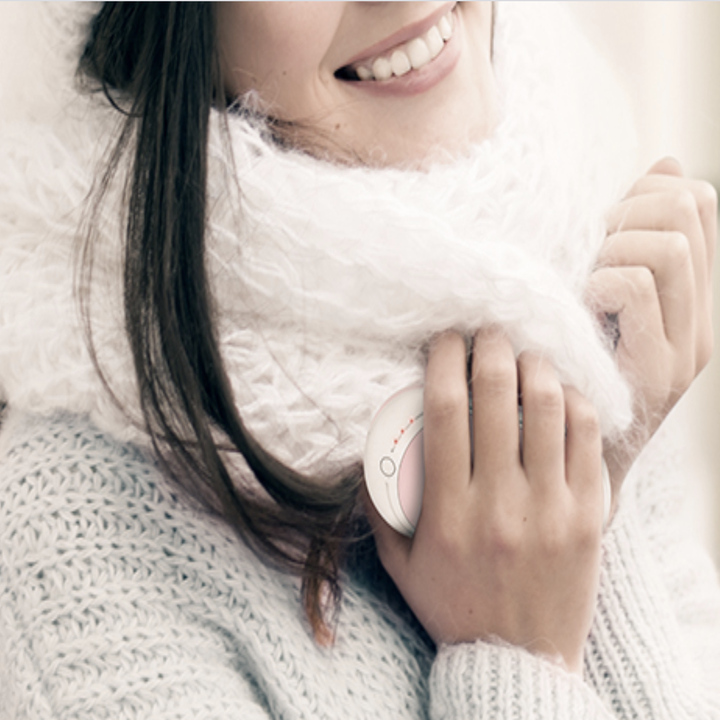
(120, 600)
(331, 280)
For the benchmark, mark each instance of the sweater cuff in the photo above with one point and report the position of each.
(482, 681)
(635, 655)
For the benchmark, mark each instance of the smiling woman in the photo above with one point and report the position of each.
(228, 234)
(390, 82)
(396, 56)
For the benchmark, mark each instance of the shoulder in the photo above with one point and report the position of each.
(63, 454)
(79, 501)
(94, 539)
(110, 578)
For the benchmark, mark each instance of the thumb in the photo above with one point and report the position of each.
(393, 548)
(666, 166)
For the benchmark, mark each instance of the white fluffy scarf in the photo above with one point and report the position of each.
(336, 278)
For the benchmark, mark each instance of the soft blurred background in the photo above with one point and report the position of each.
(668, 53)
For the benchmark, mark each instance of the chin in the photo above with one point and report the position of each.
(438, 144)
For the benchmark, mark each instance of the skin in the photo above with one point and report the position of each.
(289, 51)
(655, 271)
(509, 546)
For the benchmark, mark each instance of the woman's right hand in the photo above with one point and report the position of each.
(507, 546)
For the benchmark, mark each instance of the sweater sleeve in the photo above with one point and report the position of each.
(685, 569)
(654, 648)
(643, 657)
(485, 681)
(87, 628)
(655, 644)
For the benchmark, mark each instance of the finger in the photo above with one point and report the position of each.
(662, 210)
(583, 451)
(446, 428)
(496, 433)
(666, 166)
(667, 210)
(706, 201)
(543, 422)
(667, 255)
(672, 211)
(393, 548)
(631, 294)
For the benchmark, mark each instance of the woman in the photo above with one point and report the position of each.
(390, 185)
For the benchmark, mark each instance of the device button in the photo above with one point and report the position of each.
(387, 466)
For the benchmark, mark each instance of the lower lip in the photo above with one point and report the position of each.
(419, 81)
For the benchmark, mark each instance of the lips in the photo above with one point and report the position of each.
(404, 57)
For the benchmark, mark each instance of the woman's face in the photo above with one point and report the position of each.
(388, 82)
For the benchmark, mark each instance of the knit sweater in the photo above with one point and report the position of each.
(120, 600)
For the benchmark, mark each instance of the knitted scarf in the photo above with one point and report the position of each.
(330, 280)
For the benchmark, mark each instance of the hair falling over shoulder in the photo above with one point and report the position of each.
(158, 64)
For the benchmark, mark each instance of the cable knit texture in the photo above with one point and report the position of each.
(120, 599)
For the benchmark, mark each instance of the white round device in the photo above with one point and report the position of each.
(394, 466)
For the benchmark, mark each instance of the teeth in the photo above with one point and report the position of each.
(400, 63)
(382, 69)
(434, 42)
(445, 28)
(412, 56)
(418, 52)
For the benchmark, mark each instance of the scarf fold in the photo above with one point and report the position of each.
(331, 280)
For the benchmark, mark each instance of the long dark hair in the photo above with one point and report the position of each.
(158, 63)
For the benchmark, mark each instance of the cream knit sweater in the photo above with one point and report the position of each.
(118, 599)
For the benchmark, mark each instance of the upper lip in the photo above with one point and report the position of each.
(413, 30)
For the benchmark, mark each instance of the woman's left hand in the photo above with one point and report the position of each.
(654, 274)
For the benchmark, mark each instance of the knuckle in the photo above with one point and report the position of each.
(496, 374)
(544, 395)
(570, 534)
(684, 205)
(503, 537)
(642, 281)
(445, 399)
(554, 537)
(584, 420)
(677, 246)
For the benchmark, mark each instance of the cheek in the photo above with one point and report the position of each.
(275, 48)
